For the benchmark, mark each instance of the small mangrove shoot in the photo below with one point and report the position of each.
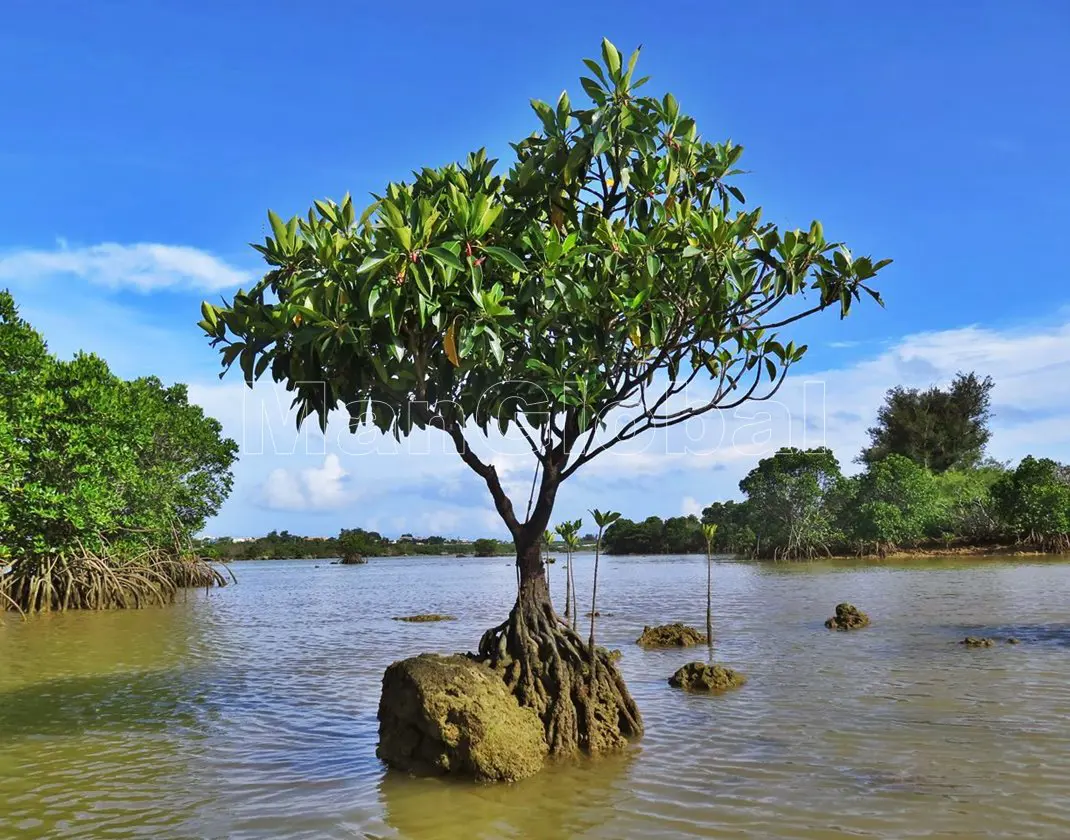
(709, 531)
(602, 520)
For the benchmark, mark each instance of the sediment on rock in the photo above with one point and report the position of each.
(450, 714)
(848, 617)
(422, 617)
(670, 635)
(698, 676)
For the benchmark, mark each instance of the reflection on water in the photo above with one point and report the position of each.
(250, 712)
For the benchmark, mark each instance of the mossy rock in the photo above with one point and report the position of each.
(670, 635)
(848, 617)
(450, 714)
(698, 676)
(613, 655)
(422, 617)
(977, 641)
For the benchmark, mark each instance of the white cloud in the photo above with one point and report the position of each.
(143, 266)
(679, 470)
(691, 506)
(315, 488)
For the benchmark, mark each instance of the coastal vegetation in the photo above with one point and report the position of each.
(103, 481)
(610, 265)
(925, 485)
(282, 545)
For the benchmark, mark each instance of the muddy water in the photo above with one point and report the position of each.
(250, 713)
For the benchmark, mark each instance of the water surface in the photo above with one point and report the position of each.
(250, 712)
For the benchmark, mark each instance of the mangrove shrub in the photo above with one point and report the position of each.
(101, 478)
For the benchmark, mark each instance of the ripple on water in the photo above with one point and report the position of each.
(251, 712)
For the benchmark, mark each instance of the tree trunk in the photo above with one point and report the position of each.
(545, 663)
(709, 600)
(568, 584)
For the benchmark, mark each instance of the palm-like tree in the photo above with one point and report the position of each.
(709, 531)
(567, 531)
(603, 521)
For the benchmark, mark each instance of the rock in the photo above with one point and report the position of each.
(975, 641)
(698, 676)
(1013, 641)
(450, 714)
(614, 655)
(352, 560)
(670, 635)
(424, 617)
(597, 614)
(848, 617)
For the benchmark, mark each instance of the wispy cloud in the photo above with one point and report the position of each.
(143, 266)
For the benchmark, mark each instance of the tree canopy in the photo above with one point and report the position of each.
(610, 265)
(91, 463)
(936, 428)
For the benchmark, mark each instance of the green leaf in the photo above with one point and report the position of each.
(611, 58)
(601, 143)
(504, 255)
(546, 114)
(445, 258)
(372, 262)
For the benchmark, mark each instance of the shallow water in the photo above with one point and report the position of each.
(250, 712)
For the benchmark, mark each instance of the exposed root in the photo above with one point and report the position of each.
(86, 580)
(547, 665)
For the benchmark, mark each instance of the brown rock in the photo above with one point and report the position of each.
(848, 617)
(670, 635)
(450, 714)
(698, 676)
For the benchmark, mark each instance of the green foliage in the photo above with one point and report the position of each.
(284, 545)
(93, 462)
(613, 257)
(896, 502)
(356, 542)
(485, 547)
(732, 519)
(938, 429)
(786, 502)
(676, 535)
(1034, 501)
(967, 509)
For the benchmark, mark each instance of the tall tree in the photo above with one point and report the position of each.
(936, 428)
(608, 268)
(786, 502)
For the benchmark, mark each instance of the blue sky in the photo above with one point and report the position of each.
(144, 141)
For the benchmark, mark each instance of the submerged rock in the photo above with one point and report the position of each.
(1013, 641)
(977, 641)
(450, 714)
(670, 635)
(848, 617)
(421, 617)
(698, 676)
